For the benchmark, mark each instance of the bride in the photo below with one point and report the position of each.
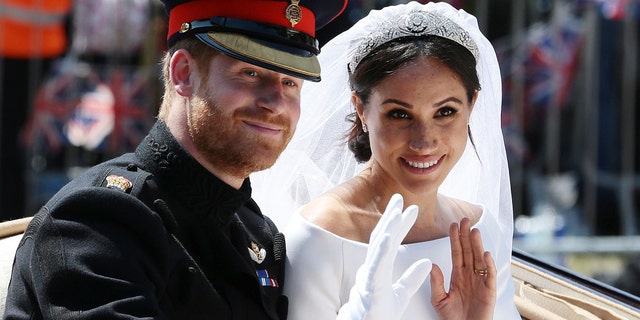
(420, 86)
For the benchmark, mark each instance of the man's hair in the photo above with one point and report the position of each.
(202, 55)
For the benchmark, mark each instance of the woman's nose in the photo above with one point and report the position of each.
(421, 137)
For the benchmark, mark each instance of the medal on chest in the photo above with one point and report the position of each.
(257, 254)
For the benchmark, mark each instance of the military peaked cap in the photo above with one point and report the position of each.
(274, 34)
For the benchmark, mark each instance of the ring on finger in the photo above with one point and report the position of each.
(481, 272)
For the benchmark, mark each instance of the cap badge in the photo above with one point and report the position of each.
(293, 12)
(184, 27)
(118, 182)
(257, 254)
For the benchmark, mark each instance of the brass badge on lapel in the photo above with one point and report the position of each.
(257, 254)
(293, 12)
(118, 182)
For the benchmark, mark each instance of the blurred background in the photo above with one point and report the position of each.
(80, 84)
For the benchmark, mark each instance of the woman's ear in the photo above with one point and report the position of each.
(357, 102)
(183, 71)
(474, 99)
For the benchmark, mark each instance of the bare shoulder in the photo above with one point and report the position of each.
(457, 209)
(338, 212)
(326, 211)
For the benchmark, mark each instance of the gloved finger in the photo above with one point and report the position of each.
(376, 239)
(397, 226)
(399, 230)
(412, 279)
(377, 264)
(394, 208)
(388, 223)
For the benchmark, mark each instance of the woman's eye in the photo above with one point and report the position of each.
(398, 114)
(446, 112)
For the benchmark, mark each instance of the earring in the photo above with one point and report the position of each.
(364, 128)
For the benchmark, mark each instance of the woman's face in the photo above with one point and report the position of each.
(417, 122)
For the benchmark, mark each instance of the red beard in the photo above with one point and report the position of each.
(226, 143)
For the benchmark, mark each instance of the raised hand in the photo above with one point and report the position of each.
(374, 296)
(472, 291)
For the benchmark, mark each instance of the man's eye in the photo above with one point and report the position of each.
(289, 83)
(251, 73)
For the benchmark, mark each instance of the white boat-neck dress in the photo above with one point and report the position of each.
(321, 269)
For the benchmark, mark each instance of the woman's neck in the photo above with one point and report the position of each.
(382, 187)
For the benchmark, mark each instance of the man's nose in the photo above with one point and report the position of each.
(272, 96)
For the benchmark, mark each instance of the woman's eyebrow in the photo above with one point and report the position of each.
(409, 106)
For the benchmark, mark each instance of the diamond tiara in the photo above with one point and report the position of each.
(413, 24)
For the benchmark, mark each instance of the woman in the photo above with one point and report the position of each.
(422, 128)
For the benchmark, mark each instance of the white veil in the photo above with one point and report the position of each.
(317, 158)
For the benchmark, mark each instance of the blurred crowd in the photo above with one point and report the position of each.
(83, 88)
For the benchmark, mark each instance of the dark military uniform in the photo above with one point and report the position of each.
(153, 235)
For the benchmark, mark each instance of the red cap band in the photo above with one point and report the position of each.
(272, 12)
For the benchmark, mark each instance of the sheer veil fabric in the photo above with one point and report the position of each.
(318, 158)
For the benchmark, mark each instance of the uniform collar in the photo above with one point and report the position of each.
(186, 180)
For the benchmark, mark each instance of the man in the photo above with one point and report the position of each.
(170, 231)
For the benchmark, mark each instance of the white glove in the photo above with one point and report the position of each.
(374, 296)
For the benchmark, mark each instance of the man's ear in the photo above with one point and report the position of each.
(183, 72)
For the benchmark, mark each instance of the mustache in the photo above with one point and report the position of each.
(280, 120)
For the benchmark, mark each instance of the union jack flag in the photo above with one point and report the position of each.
(548, 63)
(97, 107)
